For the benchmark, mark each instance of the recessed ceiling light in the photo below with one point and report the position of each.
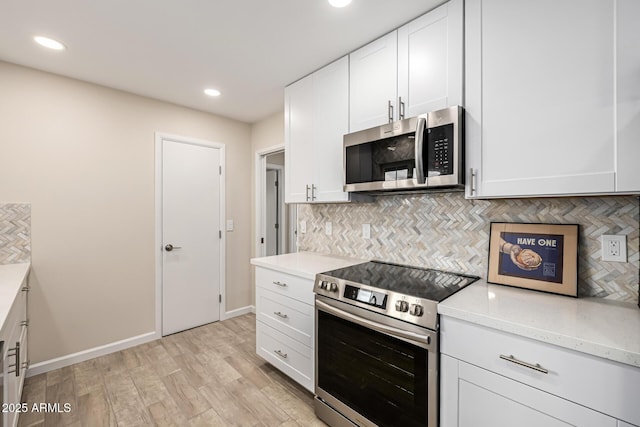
(212, 92)
(339, 3)
(49, 43)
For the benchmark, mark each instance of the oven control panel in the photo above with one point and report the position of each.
(367, 296)
(399, 306)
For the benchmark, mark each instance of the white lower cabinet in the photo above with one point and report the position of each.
(486, 399)
(285, 324)
(14, 358)
(492, 378)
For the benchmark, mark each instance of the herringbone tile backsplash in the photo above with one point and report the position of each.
(15, 233)
(448, 232)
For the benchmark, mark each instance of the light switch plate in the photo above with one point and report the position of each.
(229, 225)
(303, 227)
(614, 248)
(328, 228)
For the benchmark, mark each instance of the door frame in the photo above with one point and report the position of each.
(282, 213)
(159, 138)
(260, 196)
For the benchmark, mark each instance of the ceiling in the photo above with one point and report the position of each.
(173, 49)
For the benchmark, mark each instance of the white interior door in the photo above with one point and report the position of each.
(191, 218)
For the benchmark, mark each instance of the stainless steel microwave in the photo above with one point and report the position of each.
(422, 152)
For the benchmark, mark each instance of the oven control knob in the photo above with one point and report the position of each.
(333, 287)
(416, 310)
(323, 285)
(402, 306)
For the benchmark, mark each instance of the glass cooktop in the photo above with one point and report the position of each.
(430, 284)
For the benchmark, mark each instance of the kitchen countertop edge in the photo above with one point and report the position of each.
(589, 325)
(304, 264)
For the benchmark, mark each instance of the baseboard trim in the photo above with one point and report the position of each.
(81, 356)
(239, 312)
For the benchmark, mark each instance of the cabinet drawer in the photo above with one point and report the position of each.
(285, 284)
(288, 355)
(289, 316)
(488, 399)
(606, 386)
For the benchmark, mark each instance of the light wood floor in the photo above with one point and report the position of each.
(207, 376)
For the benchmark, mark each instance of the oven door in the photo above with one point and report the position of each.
(375, 370)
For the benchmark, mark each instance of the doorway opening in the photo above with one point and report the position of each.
(275, 220)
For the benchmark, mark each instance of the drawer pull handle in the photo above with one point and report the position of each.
(277, 313)
(284, 285)
(280, 353)
(535, 367)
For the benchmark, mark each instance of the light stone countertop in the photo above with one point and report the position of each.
(304, 264)
(11, 278)
(595, 326)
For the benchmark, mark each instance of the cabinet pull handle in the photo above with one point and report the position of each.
(307, 194)
(313, 192)
(15, 351)
(535, 367)
(25, 289)
(400, 108)
(279, 314)
(473, 182)
(281, 354)
(284, 285)
(390, 111)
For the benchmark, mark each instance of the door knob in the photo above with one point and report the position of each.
(169, 247)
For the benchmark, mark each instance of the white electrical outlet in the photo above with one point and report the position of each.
(328, 229)
(303, 227)
(229, 225)
(614, 248)
(366, 231)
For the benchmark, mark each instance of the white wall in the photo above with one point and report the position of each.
(83, 156)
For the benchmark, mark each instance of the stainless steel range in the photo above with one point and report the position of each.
(377, 348)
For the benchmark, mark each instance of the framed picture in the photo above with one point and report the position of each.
(543, 257)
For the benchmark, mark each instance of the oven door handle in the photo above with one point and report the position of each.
(389, 330)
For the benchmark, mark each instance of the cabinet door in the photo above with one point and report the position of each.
(430, 52)
(373, 77)
(540, 96)
(331, 122)
(485, 399)
(628, 95)
(298, 140)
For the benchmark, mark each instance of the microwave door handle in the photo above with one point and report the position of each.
(420, 127)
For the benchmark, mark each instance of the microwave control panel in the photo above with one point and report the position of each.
(440, 150)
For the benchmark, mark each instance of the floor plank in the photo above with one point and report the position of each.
(207, 376)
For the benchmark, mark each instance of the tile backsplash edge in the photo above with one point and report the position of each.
(449, 232)
(15, 233)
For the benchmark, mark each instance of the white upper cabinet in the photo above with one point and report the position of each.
(541, 98)
(298, 139)
(628, 95)
(316, 119)
(411, 71)
(331, 122)
(373, 83)
(430, 58)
